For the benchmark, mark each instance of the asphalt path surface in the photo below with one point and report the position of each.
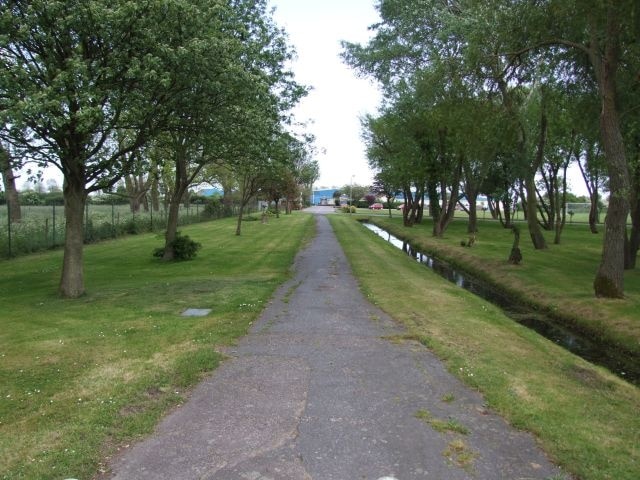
(320, 390)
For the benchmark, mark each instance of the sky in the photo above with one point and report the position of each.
(338, 98)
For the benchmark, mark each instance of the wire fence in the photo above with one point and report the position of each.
(43, 227)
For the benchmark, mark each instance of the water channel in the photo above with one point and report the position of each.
(608, 356)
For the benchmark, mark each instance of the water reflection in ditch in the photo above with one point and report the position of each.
(604, 355)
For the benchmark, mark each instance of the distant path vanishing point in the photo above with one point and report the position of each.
(318, 391)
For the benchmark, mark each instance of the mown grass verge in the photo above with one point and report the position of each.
(583, 416)
(558, 280)
(78, 378)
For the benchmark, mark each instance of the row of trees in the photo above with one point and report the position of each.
(162, 93)
(499, 97)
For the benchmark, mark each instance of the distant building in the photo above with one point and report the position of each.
(323, 196)
(210, 192)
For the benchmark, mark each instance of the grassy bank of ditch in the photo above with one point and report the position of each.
(558, 280)
(583, 416)
(80, 377)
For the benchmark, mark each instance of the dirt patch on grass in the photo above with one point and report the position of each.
(589, 377)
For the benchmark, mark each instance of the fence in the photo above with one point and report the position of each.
(43, 227)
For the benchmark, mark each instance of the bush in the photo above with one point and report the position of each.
(217, 208)
(183, 248)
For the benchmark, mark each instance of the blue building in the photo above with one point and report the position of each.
(323, 196)
(210, 192)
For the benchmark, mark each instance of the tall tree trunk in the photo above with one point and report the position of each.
(434, 199)
(594, 216)
(539, 242)
(171, 234)
(155, 192)
(592, 182)
(247, 191)
(633, 243)
(609, 280)
(561, 210)
(9, 181)
(411, 207)
(447, 211)
(561, 206)
(239, 223)
(132, 192)
(631, 259)
(75, 197)
(493, 206)
(507, 208)
(548, 211)
(472, 197)
(181, 184)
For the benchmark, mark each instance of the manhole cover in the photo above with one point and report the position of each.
(196, 312)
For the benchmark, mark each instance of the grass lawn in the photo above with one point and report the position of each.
(78, 378)
(558, 280)
(584, 417)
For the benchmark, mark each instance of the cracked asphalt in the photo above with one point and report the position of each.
(319, 391)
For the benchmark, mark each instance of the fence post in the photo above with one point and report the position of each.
(113, 219)
(53, 232)
(9, 226)
(86, 220)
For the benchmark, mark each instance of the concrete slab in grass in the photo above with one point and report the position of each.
(196, 312)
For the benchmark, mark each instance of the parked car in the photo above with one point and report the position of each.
(401, 206)
(376, 206)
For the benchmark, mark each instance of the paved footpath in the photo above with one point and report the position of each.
(316, 391)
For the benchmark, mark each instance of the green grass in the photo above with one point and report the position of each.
(558, 280)
(80, 377)
(440, 425)
(584, 417)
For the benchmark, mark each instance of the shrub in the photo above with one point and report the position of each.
(184, 248)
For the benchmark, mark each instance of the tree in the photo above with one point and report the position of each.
(593, 39)
(633, 242)
(355, 192)
(598, 37)
(9, 182)
(392, 152)
(73, 75)
(531, 168)
(383, 185)
(234, 103)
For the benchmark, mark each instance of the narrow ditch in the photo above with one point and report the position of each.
(608, 356)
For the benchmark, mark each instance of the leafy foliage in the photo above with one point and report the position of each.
(183, 246)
